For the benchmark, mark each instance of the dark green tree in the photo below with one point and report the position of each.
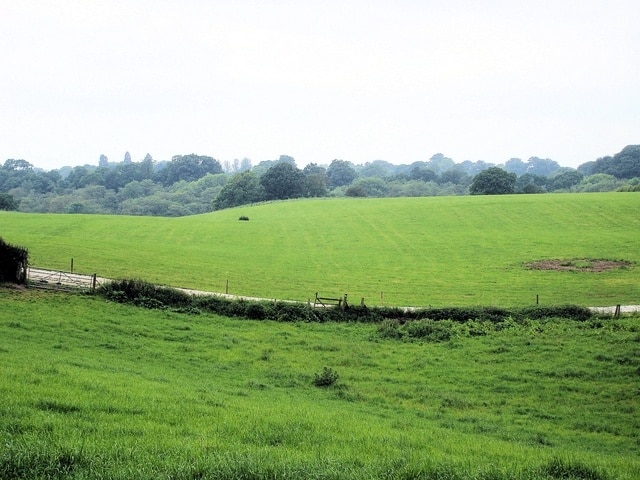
(493, 181)
(242, 189)
(565, 180)
(316, 180)
(423, 173)
(17, 165)
(530, 183)
(7, 202)
(340, 173)
(283, 181)
(13, 263)
(624, 164)
(371, 186)
(316, 184)
(188, 168)
(356, 190)
(312, 168)
(454, 176)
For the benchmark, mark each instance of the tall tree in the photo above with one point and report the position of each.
(188, 168)
(283, 181)
(624, 164)
(340, 173)
(242, 189)
(7, 202)
(493, 181)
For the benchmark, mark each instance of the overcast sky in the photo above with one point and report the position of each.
(355, 80)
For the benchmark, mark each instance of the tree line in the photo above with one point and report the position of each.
(192, 184)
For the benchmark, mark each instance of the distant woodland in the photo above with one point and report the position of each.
(192, 184)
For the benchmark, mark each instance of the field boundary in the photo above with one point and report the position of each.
(61, 280)
(70, 281)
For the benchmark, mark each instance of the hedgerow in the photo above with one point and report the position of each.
(421, 322)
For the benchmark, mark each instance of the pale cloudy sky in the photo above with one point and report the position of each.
(355, 80)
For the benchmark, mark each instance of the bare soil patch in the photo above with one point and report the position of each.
(578, 265)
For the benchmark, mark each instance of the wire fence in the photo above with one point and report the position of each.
(60, 280)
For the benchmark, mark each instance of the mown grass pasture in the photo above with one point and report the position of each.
(94, 389)
(438, 251)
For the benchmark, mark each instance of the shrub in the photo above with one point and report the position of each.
(145, 294)
(291, 312)
(13, 263)
(256, 311)
(244, 218)
(326, 378)
(429, 330)
(570, 312)
(390, 329)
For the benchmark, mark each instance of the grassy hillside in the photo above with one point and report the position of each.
(92, 389)
(406, 251)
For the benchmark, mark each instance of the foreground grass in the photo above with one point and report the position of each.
(92, 389)
(438, 251)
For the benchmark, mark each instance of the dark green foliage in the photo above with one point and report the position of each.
(242, 189)
(283, 181)
(431, 324)
(356, 191)
(188, 168)
(429, 330)
(291, 312)
(326, 378)
(493, 181)
(624, 164)
(566, 180)
(340, 173)
(244, 218)
(572, 312)
(145, 294)
(13, 263)
(7, 202)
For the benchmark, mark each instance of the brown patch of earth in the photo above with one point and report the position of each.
(578, 265)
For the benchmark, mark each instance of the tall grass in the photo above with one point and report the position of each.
(438, 251)
(95, 389)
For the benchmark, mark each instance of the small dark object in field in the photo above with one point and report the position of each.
(244, 218)
(328, 377)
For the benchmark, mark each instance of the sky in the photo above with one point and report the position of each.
(347, 79)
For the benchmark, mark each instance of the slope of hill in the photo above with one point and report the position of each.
(99, 390)
(404, 251)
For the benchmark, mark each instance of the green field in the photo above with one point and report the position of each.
(438, 251)
(97, 390)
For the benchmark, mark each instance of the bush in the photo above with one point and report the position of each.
(145, 294)
(390, 329)
(570, 312)
(429, 330)
(326, 378)
(431, 324)
(291, 312)
(13, 263)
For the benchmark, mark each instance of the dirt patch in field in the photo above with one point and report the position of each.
(578, 265)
